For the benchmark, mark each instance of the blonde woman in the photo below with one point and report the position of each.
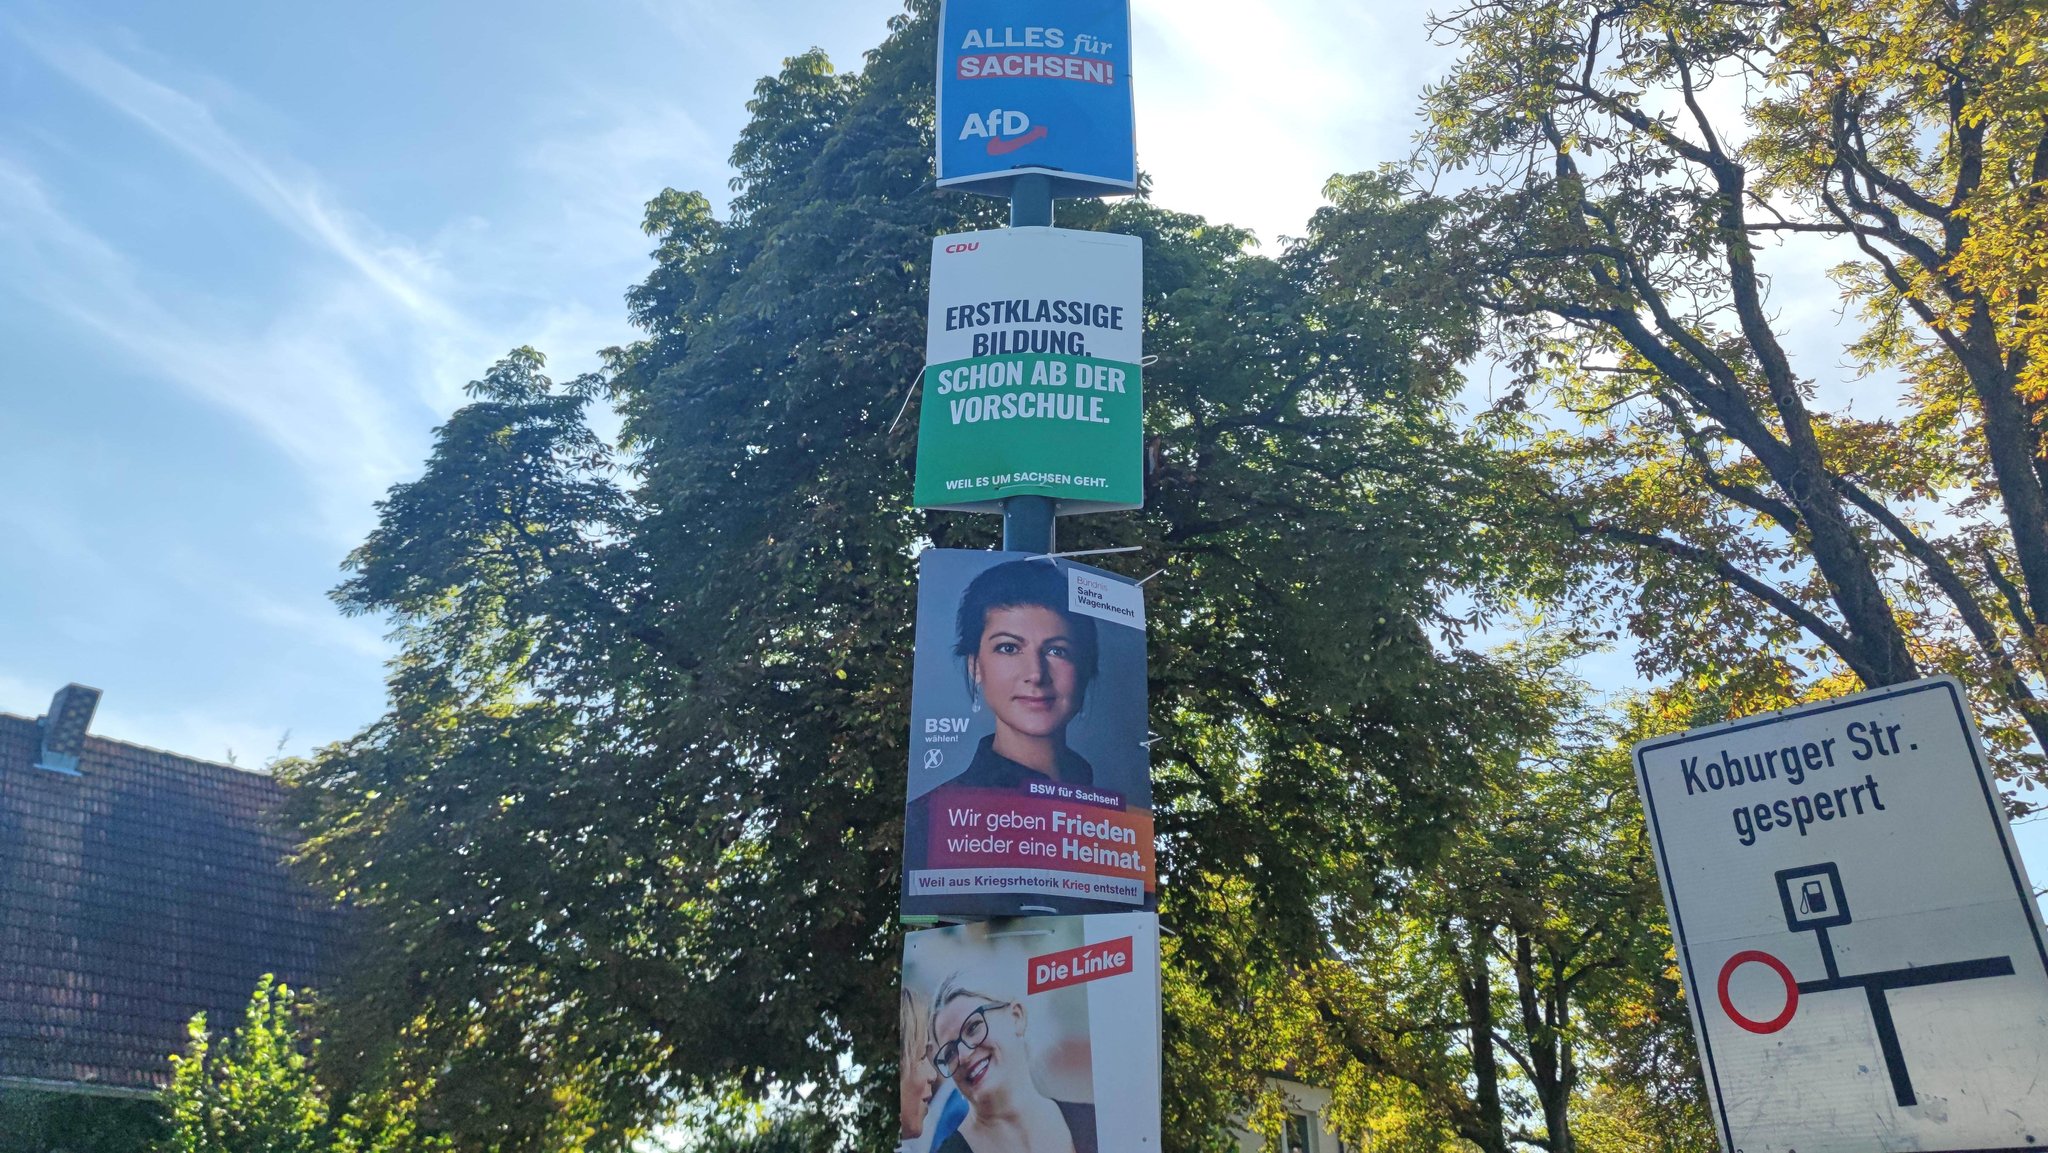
(984, 1048)
(920, 1080)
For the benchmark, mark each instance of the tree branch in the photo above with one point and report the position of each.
(1951, 584)
(1786, 516)
(1858, 157)
(1799, 614)
(2015, 603)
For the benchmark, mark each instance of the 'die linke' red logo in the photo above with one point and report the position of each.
(1074, 966)
(1006, 130)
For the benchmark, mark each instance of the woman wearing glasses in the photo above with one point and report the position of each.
(983, 1048)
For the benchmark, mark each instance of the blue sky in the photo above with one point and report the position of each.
(249, 254)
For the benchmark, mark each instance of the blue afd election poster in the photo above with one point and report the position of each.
(1036, 86)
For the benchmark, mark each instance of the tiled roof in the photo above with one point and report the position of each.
(144, 890)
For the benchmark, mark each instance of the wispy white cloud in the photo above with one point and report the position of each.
(22, 697)
(341, 365)
(296, 201)
(428, 309)
(350, 367)
(297, 382)
(313, 619)
(697, 22)
(301, 613)
(41, 530)
(607, 152)
(600, 159)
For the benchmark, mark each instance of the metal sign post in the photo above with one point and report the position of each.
(1029, 521)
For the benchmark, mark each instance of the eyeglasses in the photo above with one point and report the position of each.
(973, 1032)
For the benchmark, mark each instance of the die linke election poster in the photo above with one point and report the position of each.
(1039, 1033)
(1036, 86)
(1030, 786)
(1031, 380)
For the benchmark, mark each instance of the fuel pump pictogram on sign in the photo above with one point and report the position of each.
(1814, 903)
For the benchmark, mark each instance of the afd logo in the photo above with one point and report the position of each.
(1006, 130)
(969, 247)
(934, 725)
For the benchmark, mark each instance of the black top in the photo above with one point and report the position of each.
(992, 770)
(1080, 1120)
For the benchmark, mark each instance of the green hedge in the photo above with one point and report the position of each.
(37, 1122)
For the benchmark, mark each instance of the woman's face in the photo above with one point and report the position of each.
(920, 1082)
(984, 1071)
(1025, 669)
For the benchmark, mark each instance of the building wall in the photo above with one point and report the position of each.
(1310, 1102)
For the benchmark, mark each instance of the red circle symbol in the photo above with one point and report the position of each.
(1776, 1023)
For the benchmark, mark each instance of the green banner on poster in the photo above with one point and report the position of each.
(1032, 379)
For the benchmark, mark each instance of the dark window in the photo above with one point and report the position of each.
(1294, 1138)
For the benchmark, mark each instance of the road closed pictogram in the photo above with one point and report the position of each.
(1859, 943)
(1784, 972)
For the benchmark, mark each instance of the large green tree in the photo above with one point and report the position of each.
(630, 828)
(1629, 170)
(1517, 990)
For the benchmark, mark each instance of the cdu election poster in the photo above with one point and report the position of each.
(1036, 86)
(1032, 348)
(1030, 786)
(1039, 1033)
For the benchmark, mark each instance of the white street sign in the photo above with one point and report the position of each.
(1858, 938)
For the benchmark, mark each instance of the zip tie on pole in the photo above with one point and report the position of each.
(1148, 361)
(1141, 583)
(1086, 552)
(914, 386)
